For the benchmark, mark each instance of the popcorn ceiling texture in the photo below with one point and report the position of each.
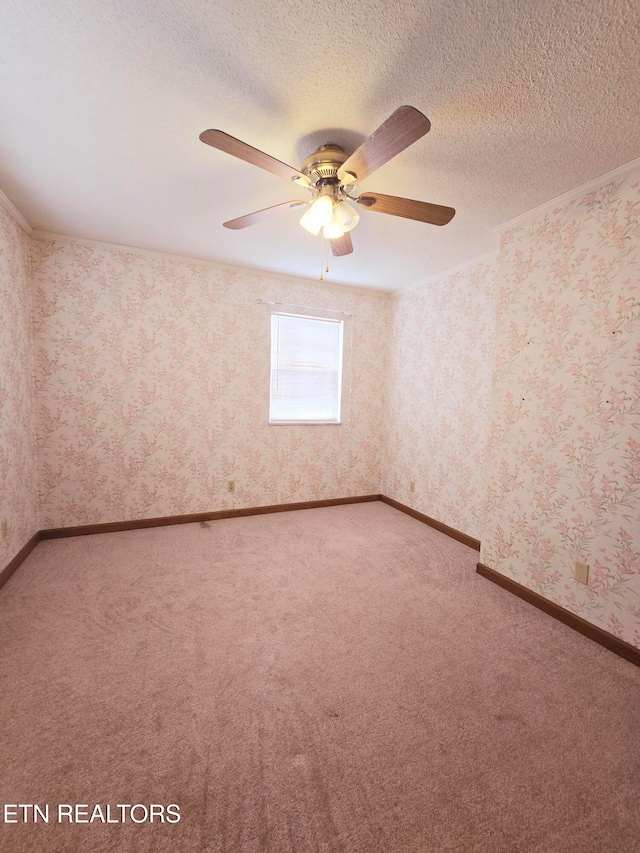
(527, 100)
(18, 496)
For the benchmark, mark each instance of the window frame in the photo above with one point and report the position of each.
(308, 421)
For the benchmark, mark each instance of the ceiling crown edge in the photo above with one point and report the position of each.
(10, 207)
(569, 196)
(485, 258)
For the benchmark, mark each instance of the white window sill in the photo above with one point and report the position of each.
(305, 423)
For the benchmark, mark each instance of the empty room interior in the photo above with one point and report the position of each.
(320, 426)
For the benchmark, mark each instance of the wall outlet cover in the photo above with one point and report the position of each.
(231, 485)
(581, 572)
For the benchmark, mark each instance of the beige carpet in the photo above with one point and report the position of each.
(327, 680)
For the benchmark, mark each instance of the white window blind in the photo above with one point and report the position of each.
(306, 369)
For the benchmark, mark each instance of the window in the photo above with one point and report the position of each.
(306, 369)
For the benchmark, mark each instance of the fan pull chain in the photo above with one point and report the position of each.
(324, 264)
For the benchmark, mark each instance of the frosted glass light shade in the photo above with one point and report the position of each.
(332, 230)
(344, 219)
(345, 216)
(318, 215)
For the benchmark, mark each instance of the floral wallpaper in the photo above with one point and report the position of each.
(18, 503)
(521, 429)
(153, 388)
(564, 463)
(439, 392)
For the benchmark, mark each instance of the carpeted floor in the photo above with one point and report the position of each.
(327, 680)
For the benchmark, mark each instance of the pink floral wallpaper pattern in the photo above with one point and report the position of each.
(564, 463)
(18, 501)
(152, 391)
(439, 392)
(153, 388)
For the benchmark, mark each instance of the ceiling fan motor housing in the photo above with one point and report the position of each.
(331, 176)
(323, 164)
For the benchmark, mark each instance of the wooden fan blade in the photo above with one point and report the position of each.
(342, 245)
(259, 215)
(398, 132)
(422, 211)
(231, 145)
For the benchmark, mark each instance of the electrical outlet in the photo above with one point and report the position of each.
(581, 572)
(5, 530)
(412, 486)
(231, 485)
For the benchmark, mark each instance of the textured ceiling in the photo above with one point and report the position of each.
(101, 105)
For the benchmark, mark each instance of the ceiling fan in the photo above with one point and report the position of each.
(331, 175)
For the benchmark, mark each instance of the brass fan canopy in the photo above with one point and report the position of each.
(324, 163)
(332, 176)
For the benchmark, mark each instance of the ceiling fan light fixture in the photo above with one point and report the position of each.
(318, 215)
(331, 175)
(345, 216)
(333, 230)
